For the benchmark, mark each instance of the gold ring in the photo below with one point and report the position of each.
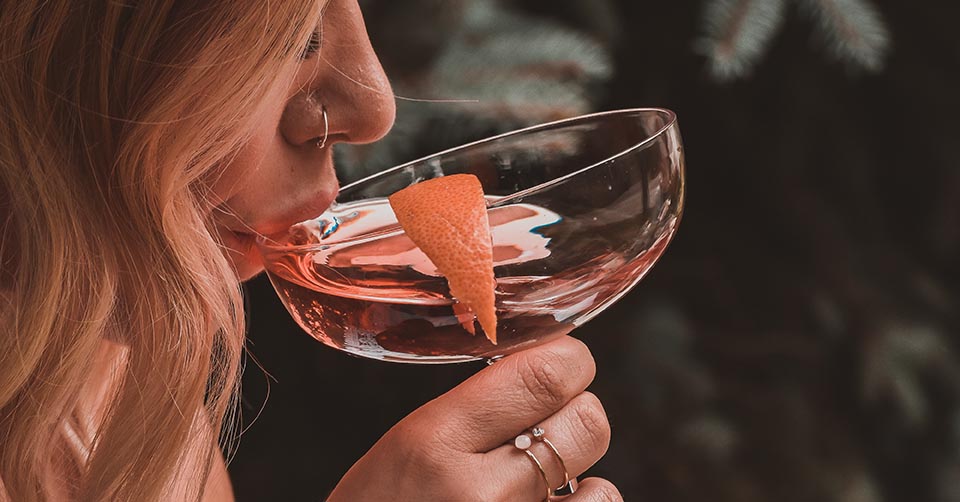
(523, 442)
(540, 435)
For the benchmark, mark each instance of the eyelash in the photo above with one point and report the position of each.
(313, 46)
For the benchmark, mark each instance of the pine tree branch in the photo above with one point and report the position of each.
(519, 69)
(737, 33)
(854, 30)
(897, 362)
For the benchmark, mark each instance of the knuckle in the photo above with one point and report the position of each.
(402, 436)
(544, 380)
(591, 419)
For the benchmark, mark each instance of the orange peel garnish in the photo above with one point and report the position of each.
(446, 218)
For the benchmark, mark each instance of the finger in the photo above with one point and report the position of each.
(595, 490)
(502, 400)
(581, 434)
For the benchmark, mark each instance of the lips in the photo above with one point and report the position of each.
(272, 225)
(266, 192)
(292, 213)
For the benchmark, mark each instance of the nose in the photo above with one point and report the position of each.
(346, 80)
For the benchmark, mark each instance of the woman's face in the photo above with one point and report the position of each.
(282, 176)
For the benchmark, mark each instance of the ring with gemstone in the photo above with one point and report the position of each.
(569, 485)
(523, 443)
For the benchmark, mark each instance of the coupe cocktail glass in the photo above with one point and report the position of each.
(580, 210)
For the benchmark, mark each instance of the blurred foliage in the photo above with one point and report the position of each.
(738, 32)
(506, 69)
(797, 342)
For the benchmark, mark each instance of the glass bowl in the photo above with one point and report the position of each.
(580, 210)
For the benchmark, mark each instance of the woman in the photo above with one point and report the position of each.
(142, 146)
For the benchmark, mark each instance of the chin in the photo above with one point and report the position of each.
(239, 249)
(246, 273)
(247, 266)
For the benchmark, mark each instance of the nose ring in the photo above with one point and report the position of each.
(326, 128)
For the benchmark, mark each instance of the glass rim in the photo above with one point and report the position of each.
(671, 121)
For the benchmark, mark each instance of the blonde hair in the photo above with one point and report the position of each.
(115, 118)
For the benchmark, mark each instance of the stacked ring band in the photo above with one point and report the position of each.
(569, 486)
(523, 442)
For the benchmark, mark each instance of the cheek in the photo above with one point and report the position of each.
(262, 131)
(233, 177)
(236, 176)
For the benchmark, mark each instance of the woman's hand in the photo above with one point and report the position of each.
(459, 447)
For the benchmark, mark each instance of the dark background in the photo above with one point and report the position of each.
(797, 342)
